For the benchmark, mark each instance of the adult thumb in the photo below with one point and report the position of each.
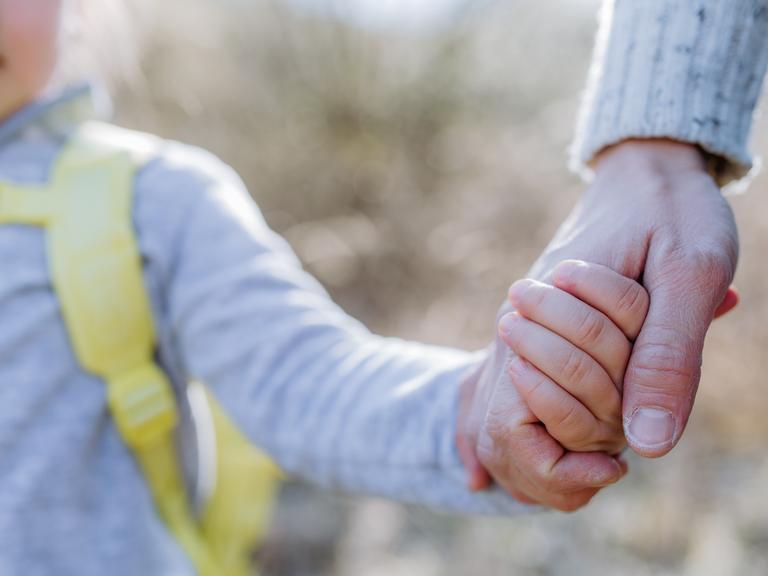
(664, 369)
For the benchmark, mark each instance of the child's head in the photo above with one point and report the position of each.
(45, 42)
(29, 45)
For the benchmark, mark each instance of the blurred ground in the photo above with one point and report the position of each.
(417, 173)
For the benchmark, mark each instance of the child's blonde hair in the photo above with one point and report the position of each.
(100, 41)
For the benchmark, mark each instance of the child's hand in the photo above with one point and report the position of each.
(501, 440)
(573, 342)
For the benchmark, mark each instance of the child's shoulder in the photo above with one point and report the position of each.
(165, 162)
(175, 175)
(183, 191)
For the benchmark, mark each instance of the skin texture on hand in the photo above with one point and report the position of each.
(499, 438)
(573, 346)
(654, 215)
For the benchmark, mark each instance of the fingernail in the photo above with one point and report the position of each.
(516, 291)
(506, 323)
(651, 427)
(565, 270)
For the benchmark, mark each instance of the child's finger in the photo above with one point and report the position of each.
(584, 326)
(565, 418)
(620, 298)
(571, 368)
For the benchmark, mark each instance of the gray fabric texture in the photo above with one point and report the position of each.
(329, 401)
(690, 70)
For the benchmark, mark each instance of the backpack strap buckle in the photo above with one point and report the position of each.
(24, 205)
(143, 405)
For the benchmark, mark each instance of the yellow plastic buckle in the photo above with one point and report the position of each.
(143, 405)
(23, 205)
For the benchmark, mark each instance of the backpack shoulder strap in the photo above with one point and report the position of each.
(97, 273)
(95, 263)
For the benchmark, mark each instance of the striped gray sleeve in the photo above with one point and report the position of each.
(330, 401)
(681, 69)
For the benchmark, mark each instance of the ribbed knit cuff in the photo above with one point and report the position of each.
(681, 69)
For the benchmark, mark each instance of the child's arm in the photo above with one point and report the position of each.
(573, 342)
(330, 401)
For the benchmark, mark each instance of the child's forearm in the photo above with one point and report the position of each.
(380, 419)
(328, 400)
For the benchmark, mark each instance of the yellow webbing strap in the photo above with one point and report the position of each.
(96, 271)
(237, 514)
(97, 274)
(24, 205)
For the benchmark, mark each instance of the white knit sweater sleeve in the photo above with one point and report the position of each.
(690, 70)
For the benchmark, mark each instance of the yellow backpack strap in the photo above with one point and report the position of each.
(237, 515)
(97, 274)
(24, 205)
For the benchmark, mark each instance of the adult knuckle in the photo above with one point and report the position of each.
(664, 362)
(655, 376)
(713, 263)
(707, 262)
(662, 385)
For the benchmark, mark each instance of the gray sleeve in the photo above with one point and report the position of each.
(329, 401)
(690, 70)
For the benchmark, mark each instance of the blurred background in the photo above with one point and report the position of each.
(414, 155)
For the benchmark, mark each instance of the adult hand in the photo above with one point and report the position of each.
(655, 215)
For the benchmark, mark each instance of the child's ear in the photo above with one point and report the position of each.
(730, 302)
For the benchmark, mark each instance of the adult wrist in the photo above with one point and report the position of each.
(659, 156)
(651, 168)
